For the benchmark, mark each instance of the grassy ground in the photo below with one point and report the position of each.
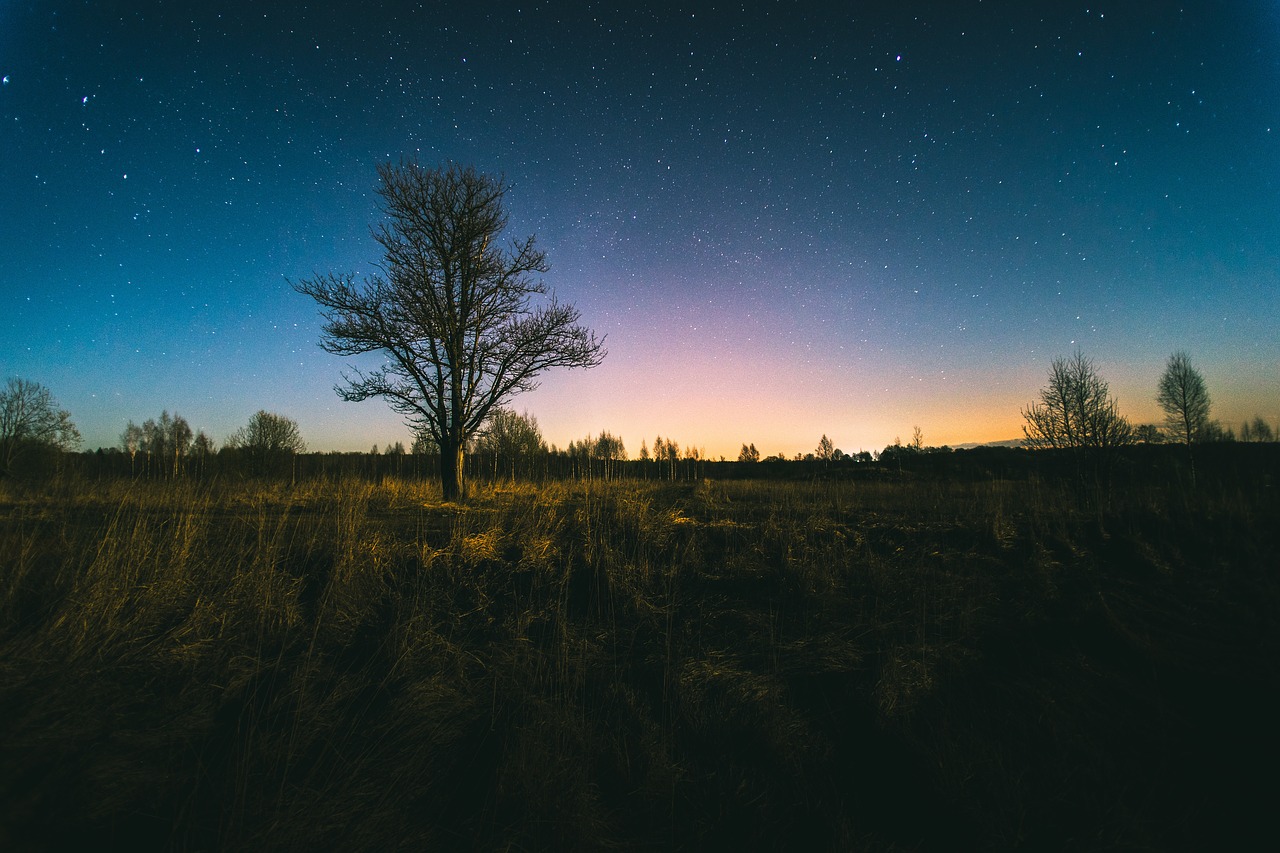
(736, 665)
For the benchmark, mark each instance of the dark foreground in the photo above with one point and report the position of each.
(737, 665)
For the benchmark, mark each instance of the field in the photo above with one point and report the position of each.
(920, 663)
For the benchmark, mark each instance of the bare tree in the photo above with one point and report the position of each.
(29, 419)
(202, 445)
(610, 449)
(1214, 431)
(202, 449)
(267, 439)
(1147, 434)
(509, 434)
(1256, 430)
(1184, 398)
(132, 440)
(825, 449)
(1075, 410)
(671, 452)
(180, 437)
(606, 449)
(424, 444)
(165, 442)
(510, 440)
(452, 311)
(154, 444)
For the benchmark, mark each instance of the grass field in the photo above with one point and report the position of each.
(714, 665)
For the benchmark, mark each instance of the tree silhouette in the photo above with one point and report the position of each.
(610, 449)
(166, 442)
(132, 441)
(1075, 410)
(672, 452)
(825, 449)
(452, 312)
(268, 439)
(1182, 395)
(202, 449)
(1185, 399)
(179, 436)
(510, 438)
(749, 453)
(508, 434)
(1256, 430)
(1214, 431)
(30, 419)
(1147, 434)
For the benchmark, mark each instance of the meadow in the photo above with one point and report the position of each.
(890, 664)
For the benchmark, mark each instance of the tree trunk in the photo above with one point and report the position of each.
(451, 473)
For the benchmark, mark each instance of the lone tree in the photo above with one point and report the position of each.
(30, 420)
(1184, 398)
(1075, 410)
(451, 310)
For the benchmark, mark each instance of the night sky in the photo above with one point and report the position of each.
(789, 219)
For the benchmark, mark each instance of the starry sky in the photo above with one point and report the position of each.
(789, 219)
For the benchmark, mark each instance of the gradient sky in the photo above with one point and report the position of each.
(790, 219)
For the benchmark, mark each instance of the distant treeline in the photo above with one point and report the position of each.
(1233, 462)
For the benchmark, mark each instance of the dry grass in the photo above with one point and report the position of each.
(716, 665)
